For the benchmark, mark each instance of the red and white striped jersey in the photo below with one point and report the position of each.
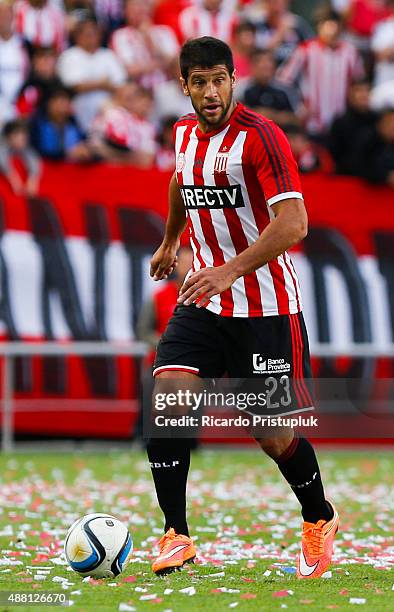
(117, 126)
(324, 75)
(14, 65)
(228, 179)
(43, 27)
(195, 21)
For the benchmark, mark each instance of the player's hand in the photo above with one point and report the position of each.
(164, 261)
(204, 284)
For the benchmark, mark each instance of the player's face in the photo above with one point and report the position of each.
(211, 94)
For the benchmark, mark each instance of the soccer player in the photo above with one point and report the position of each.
(237, 189)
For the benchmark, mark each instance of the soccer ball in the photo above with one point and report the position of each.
(98, 545)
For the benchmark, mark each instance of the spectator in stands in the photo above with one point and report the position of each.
(309, 155)
(364, 15)
(361, 17)
(167, 12)
(376, 151)
(244, 44)
(122, 132)
(92, 71)
(382, 45)
(7, 110)
(210, 18)
(324, 68)
(145, 49)
(41, 23)
(348, 128)
(341, 6)
(41, 80)
(264, 95)
(13, 57)
(75, 11)
(109, 13)
(54, 132)
(169, 96)
(165, 154)
(279, 30)
(14, 146)
(382, 96)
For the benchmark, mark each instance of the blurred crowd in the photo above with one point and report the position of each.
(98, 80)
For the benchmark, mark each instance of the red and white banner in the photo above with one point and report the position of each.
(74, 265)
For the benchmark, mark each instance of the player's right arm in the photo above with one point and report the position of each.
(164, 260)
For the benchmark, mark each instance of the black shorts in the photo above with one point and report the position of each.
(209, 345)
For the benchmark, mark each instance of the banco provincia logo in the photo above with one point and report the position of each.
(263, 365)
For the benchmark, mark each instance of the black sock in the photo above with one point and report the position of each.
(299, 466)
(169, 461)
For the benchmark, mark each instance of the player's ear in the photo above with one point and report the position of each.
(233, 79)
(184, 86)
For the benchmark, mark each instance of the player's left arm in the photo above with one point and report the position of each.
(289, 227)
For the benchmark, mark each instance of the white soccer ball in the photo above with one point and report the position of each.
(98, 545)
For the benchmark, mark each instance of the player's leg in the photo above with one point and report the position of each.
(283, 339)
(169, 459)
(188, 352)
(299, 466)
(297, 461)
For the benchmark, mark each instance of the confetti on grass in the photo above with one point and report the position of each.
(246, 521)
(188, 591)
(282, 593)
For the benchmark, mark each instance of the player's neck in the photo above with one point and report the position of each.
(205, 128)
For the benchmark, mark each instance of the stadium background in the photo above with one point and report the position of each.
(82, 210)
(75, 249)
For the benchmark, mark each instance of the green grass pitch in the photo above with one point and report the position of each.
(243, 515)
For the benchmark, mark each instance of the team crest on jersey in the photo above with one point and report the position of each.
(180, 162)
(221, 162)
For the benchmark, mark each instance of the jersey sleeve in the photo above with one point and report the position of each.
(274, 164)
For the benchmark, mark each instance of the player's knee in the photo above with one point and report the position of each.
(171, 390)
(172, 381)
(168, 382)
(275, 446)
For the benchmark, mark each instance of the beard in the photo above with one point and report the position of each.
(214, 122)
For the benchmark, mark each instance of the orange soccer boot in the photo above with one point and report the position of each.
(175, 551)
(316, 547)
